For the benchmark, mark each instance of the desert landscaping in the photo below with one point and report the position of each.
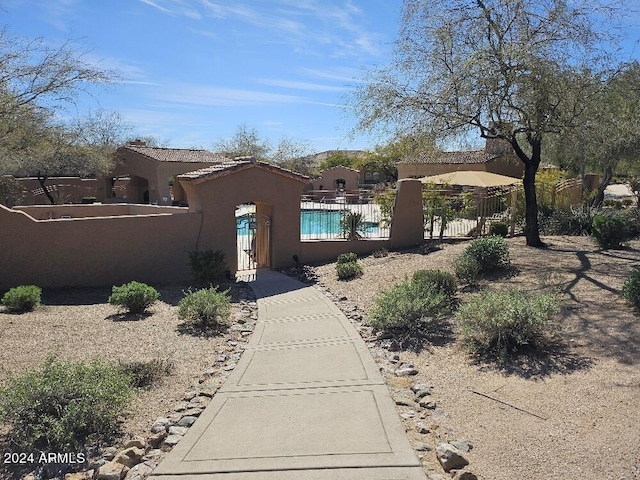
(569, 413)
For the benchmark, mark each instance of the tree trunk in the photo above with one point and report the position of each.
(607, 175)
(531, 229)
(42, 179)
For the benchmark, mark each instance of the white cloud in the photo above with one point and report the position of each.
(296, 85)
(304, 25)
(203, 95)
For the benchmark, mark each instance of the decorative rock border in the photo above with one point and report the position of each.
(433, 441)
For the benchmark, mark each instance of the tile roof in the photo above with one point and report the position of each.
(460, 158)
(231, 166)
(182, 155)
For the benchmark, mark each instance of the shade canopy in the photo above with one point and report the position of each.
(471, 178)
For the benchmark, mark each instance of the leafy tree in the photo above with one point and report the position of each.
(37, 81)
(291, 154)
(246, 141)
(610, 138)
(508, 69)
(337, 159)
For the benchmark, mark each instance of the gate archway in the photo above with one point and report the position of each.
(253, 238)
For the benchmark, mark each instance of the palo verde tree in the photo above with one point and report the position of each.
(609, 140)
(38, 82)
(505, 69)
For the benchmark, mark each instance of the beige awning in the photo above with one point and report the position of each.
(471, 178)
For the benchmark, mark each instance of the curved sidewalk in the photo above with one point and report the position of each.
(306, 401)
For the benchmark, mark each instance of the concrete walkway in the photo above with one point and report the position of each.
(306, 401)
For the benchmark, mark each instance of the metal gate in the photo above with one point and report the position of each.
(247, 228)
(253, 241)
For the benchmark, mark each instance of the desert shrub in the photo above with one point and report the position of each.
(208, 267)
(23, 298)
(631, 218)
(62, 406)
(572, 221)
(134, 297)
(436, 280)
(207, 309)
(383, 252)
(349, 270)
(491, 253)
(352, 225)
(500, 229)
(143, 374)
(497, 324)
(466, 269)
(609, 231)
(631, 288)
(347, 257)
(407, 306)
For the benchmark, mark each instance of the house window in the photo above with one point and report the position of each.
(340, 183)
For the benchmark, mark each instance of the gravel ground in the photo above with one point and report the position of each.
(78, 324)
(572, 415)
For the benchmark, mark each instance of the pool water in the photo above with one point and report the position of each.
(312, 222)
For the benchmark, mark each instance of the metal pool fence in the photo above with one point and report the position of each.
(327, 214)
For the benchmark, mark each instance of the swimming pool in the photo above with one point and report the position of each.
(312, 223)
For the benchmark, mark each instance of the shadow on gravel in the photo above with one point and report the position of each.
(417, 341)
(200, 331)
(557, 359)
(128, 317)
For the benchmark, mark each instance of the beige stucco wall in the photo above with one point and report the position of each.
(69, 189)
(95, 251)
(48, 212)
(116, 243)
(407, 226)
(157, 175)
(327, 180)
(272, 192)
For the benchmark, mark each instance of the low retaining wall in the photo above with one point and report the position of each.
(95, 251)
(319, 251)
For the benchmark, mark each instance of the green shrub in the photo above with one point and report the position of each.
(572, 221)
(348, 270)
(347, 257)
(407, 306)
(491, 253)
(501, 229)
(23, 298)
(62, 406)
(609, 231)
(497, 324)
(352, 225)
(631, 288)
(208, 267)
(436, 280)
(143, 374)
(383, 252)
(466, 269)
(135, 297)
(207, 309)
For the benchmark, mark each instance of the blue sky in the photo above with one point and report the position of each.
(194, 70)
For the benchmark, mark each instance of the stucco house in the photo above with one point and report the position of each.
(338, 178)
(151, 171)
(497, 157)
